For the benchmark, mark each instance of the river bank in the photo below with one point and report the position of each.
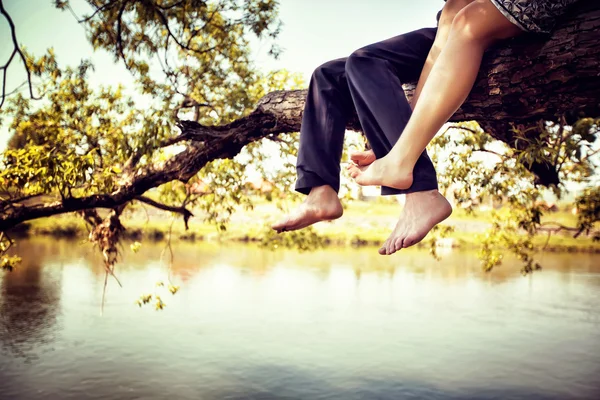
(363, 224)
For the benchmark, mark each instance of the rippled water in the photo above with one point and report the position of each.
(336, 324)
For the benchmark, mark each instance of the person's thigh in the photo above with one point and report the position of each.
(482, 21)
(406, 53)
(537, 16)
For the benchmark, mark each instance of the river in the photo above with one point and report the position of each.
(343, 324)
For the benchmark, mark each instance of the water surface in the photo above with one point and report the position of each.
(334, 324)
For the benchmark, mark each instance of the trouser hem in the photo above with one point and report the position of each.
(310, 180)
(421, 186)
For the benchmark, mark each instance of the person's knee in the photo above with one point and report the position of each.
(452, 8)
(480, 22)
(330, 69)
(358, 57)
(469, 23)
(363, 52)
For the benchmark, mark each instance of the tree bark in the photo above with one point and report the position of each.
(533, 77)
(522, 82)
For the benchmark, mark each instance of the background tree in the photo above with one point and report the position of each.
(81, 149)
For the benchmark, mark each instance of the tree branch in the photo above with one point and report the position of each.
(98, 10)
(16, 50)
(187, 214)
(165, 22)
(555, 227)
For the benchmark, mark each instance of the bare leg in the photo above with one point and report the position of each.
(449, 11)
(425, 209)
(474, 29)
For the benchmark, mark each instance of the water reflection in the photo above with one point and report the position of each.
(335, 324)
(29, 306)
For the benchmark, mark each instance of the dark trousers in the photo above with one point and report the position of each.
(369, 82)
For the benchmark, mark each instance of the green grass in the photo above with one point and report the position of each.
(364, 223)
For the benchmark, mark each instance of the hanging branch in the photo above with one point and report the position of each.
(16, 51)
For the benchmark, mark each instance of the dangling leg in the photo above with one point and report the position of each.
(473, 30)
(375, 75)
(326, 111)
(452, 7)
(449, 11)
(412, 226)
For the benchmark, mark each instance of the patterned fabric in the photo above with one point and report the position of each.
(533, 16)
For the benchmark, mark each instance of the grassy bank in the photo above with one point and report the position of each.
(363, 224)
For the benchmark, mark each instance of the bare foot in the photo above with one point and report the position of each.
(422, 211)
(363, 157)
(383, 172)
(322, 204)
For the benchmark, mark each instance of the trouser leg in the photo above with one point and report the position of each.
(369, 82)
(375, 74)
(326, 112)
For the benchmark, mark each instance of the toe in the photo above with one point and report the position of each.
(398, 243)
(363, 157)
(358, 157)
(410, 241)
(393, 247)
(383, 248)
(280, 225)
(354, 171)
(390, 247)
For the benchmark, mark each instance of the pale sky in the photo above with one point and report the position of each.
(314, 32)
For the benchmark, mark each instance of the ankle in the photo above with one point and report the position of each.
(404, 160)
(415, 196)
(322, 191)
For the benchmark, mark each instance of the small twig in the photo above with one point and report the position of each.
(16, 50)
(168, 246)
(112, 273)
(119, 31)
(484, 150)
(104, 293)
(557, 227)
(165, 22)
(187, 214)
(547, 240)
(28, 197)
(560, 227)
(275, 139)
(99, 9)
(176, 4)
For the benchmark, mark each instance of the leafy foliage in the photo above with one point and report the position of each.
(480, 168)
(189, 56)
(7, 263)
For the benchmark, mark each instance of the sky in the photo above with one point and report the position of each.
(314, 31)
